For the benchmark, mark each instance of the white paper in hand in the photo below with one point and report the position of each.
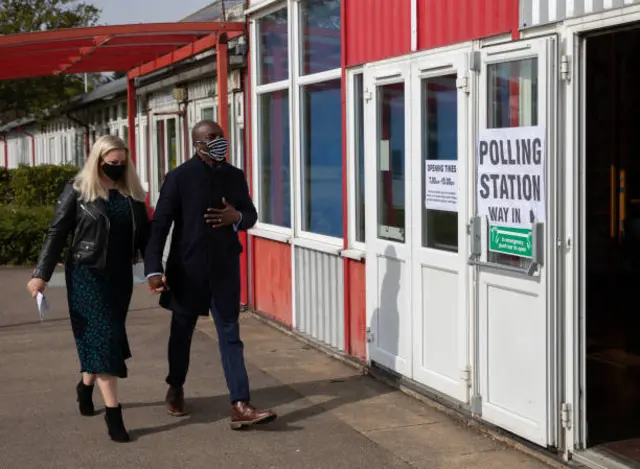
(43, 306)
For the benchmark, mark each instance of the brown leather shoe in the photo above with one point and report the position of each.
(244, 415)
(175, 402)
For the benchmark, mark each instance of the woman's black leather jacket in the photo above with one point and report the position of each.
(89, 224)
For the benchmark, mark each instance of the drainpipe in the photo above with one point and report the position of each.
(147, 111)
(6, 151)
(33, 144)
(87, 133)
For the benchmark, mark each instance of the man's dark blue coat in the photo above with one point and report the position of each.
(202, 260)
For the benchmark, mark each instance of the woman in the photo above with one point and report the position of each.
(103, 208)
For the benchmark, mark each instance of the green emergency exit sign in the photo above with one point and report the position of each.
(512, 241)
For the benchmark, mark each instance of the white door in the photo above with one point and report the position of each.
(388, 215)
(439, 173)
(238, 158)
(575, 433)
(167, 151)
(517, 333)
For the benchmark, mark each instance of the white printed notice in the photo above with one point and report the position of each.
(441, 191)
(511, 176)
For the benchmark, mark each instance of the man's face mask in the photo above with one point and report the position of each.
(216, 149)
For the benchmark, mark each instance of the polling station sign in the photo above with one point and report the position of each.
(511, 166)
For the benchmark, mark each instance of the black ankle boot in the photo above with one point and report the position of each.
(85, 399)
(117, 432)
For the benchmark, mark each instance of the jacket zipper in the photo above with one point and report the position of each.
(88, 212)
(133, 220)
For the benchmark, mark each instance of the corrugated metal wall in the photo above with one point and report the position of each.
(446, 22)
(537, 12)
(376, 30)
(380, 29)
(319, 294)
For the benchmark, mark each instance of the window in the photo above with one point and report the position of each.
(322, 158)
(274, 159)
(513, 94)
(230, 132)
(358, 179)
(207, 114)
(512, 102)
(79, 150)
(125, 134)
(123, 110)
(391, 159)
(160, 153)
(440, 142)
(320, 36)
(65, 149)
(273, 47)
(315, 100)
(172, 145)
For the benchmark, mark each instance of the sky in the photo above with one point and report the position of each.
(146, 11)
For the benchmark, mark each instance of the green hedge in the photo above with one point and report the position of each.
(6, 194)
(22, 232)
(40, 185)
(27, 199)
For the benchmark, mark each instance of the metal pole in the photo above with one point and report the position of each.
(222, 59)
(131, 117)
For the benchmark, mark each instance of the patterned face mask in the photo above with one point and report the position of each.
(217, 148)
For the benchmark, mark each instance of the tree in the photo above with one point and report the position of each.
(117, 75)
(32, 96)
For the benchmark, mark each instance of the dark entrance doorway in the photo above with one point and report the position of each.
(612, 175)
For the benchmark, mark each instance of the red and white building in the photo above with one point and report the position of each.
(351, 100)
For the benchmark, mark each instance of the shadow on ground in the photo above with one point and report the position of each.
(207, 410)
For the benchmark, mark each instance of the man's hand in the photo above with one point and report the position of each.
(219, 217)
(158, 284)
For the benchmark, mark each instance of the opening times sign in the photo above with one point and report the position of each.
(511, 185)
(441, 189)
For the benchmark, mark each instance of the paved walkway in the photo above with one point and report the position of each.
(331, 417)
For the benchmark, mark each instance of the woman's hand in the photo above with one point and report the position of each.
(35, 286)
(158, 284)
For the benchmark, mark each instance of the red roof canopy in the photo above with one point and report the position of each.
(136, 48)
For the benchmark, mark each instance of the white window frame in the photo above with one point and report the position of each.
(299, 81)
(352, 161)
(256, 93)
(292, 85)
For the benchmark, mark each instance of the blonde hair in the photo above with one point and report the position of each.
(88, 182)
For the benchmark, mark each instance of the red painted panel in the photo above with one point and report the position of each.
(244, 272)
(445, 22)
(376, 29)
(358, 305)
(272, 279)
(244, 239)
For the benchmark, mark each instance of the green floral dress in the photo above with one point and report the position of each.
(99, 300)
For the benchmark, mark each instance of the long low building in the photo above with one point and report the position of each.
(438, 183)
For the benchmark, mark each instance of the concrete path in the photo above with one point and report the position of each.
(331, 417)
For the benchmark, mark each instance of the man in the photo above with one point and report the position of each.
(207, 200)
